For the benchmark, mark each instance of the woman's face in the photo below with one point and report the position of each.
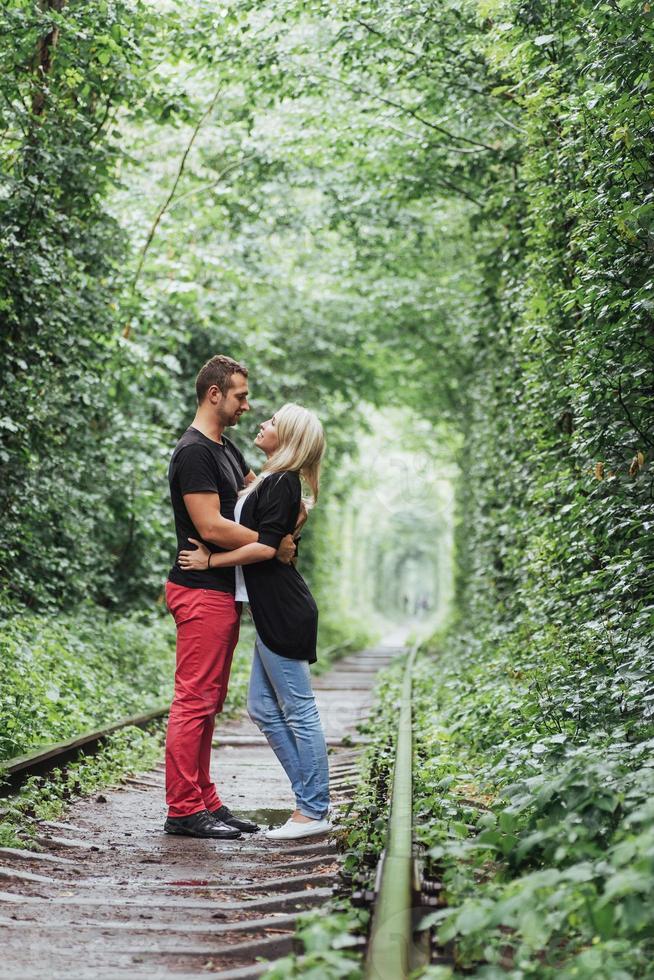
(267, 439)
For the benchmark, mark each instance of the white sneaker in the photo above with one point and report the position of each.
(293, 829)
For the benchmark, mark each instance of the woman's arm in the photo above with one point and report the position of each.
(202, 558)
(204, 511)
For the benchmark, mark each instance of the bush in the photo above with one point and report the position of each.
(60, 677)
(539, 826)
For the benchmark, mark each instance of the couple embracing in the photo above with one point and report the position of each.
(236, 540)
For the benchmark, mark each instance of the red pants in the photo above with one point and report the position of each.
(207, 633)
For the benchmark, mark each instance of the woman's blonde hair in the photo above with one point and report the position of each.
(300, 448)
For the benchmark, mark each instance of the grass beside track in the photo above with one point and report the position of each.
(540, 827)
(124, 753)
(537, 819)
(67, 674)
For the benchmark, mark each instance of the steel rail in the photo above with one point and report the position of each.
(15, 771)
(390, 950)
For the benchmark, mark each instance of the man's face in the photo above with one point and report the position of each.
(232, 405)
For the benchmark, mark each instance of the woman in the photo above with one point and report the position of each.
(280, 699)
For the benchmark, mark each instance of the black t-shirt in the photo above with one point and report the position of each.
(200, 465)
(284, 611)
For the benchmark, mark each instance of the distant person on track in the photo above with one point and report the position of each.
(206, 473)
(280, 699)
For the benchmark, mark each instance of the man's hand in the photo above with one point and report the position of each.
(286, 550)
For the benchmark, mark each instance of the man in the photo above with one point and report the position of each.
(205, 475)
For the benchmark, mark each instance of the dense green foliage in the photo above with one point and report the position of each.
(542, 834)
(76, 459)
(99, 359)
(542, 839)
(61, 677)
(550, 693)
(444, 209)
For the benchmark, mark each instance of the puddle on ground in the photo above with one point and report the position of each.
(266, 818)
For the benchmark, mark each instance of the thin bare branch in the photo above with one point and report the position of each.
(164, 207)
(391, 41)
(358, 90)
(214, 183)
(643, 435)
(511, 125)
(429, 143)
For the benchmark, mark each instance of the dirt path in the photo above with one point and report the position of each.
(111, 897)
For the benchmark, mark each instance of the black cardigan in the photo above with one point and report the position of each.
(284, 611)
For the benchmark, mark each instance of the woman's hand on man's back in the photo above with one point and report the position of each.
(286, 550)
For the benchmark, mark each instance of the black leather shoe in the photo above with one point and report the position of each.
(201, 824)
(240, 823)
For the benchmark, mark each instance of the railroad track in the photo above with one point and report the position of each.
(17, 770)
(402, 894)
(110, 897)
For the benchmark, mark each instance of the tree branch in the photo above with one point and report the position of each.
(507, 122)
(646, 439)
(103, 118)
(44, 55)
(214, 183)
(164, 207)
(420, 55)
(398, 105)
(443, 180)
(384, 37)
(428, 143)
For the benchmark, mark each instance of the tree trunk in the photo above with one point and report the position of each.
(44, 55)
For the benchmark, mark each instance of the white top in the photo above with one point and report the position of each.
(241, 594)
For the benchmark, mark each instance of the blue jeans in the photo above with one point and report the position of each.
(282, 704)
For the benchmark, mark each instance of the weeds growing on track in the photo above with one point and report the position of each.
(125, 752)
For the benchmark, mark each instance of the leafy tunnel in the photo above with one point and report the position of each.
(432, 224)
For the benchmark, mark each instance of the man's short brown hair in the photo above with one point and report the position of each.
(217, 371)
